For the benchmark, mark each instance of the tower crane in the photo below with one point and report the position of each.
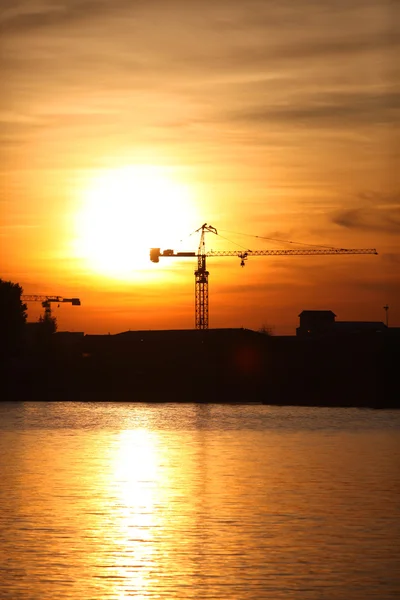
(201, 273)
(47, 300)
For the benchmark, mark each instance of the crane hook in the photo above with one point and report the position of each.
(243, 257)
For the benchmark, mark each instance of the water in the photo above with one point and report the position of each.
(198, 501)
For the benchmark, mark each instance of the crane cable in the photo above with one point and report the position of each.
(219, 235)
(231, 241)
(261, 237)
(278, 240)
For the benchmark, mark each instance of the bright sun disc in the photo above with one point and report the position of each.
(127, 211)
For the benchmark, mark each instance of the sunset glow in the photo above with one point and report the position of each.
(129, 126)
(126, 211)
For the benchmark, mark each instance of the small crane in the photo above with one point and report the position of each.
(201, 273)
(47, 300)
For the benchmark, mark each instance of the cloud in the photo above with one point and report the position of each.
(369, 220)
(20, 17)
(321, 50)
(329, 108)
(218, 81)
(387, 288)
(392, 258)
(380, 213)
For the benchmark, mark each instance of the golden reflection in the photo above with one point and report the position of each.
(136, 481)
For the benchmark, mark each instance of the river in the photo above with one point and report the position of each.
(177, 501)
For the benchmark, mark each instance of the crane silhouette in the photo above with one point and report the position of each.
(201, 273)
(48, 300)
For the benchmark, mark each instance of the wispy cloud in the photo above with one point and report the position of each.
(22, 17)
(379, 212)
(330, 109)
(370, 220)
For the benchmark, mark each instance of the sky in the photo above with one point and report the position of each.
(128, 124)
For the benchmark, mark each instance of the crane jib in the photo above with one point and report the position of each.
(155, 253)
(47, 299)
(283, 252)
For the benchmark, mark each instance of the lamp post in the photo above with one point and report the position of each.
(386, 309)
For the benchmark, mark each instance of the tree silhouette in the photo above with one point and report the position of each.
(12, 317)
(265, 330)
(48, 324)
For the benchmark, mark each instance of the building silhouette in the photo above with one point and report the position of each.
(322, 323)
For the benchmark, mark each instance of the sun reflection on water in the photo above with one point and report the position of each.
(219, 502)
(137, 481)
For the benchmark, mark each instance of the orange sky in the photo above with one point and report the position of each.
(128, 124)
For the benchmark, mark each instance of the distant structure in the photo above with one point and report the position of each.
(386, 309)
(322, 323)
(315, 322)
(47, 300)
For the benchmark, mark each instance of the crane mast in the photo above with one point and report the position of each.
(201, 280)
(201, 273)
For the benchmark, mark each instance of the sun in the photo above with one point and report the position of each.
(126, 211)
